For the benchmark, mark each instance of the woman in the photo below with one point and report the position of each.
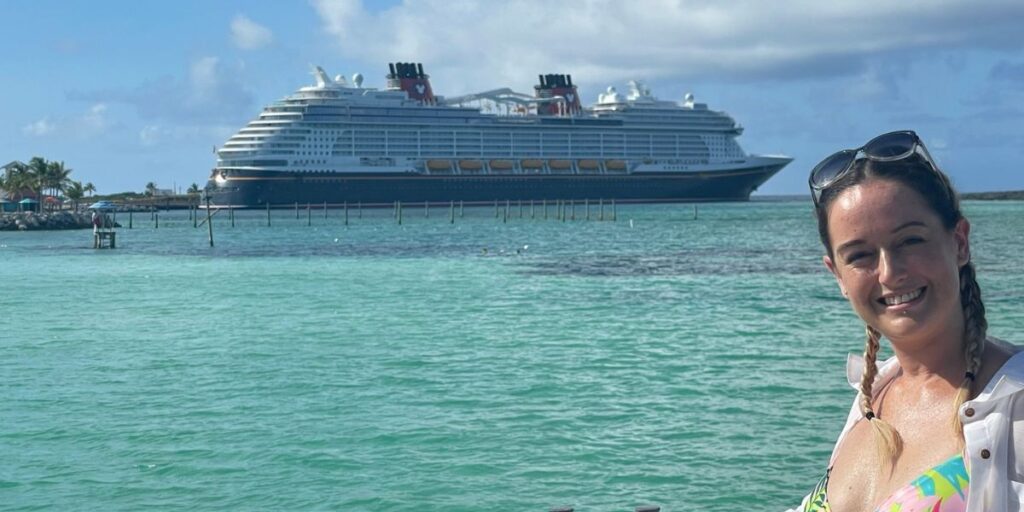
(937, 427)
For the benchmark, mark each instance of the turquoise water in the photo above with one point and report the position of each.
(481, 365)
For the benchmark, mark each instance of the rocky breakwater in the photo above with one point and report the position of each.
(32, 221)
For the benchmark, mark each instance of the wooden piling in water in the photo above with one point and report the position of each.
(586, 205)
(268, 214)
(451, 213)
(495, 208)
(544, 205)
(325, 209)
(231, 213)
(572, 206)
(346, 212)
(195, 215)
(359, 209)
(531, 209)
(520, 201)
(156, 219)
(309, 215)
(600, 202)
(296, 210)
(426, 209)
(614, 213)
(130, 218)
(399, 207)
(209, 223)
(461, 211)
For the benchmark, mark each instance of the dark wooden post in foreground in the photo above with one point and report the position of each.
(268, 214)
(600, 202)
(130, 217)
(346, 212)
(309, 215)
(209, 223)
(231, 213)
(451, 212)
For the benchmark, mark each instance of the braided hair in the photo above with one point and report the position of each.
(938, 193)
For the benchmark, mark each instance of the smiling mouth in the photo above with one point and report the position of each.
(896, 300)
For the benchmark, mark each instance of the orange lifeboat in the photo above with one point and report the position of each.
(615, 165)
(589, 165)
(559, 165)
(439, 165)
(470, 165)
(533, 164)
(501, 165)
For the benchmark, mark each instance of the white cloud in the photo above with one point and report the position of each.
(150, 135)
(39, 128)
(474, 44)
(249, 35)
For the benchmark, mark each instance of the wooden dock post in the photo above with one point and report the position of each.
(572, 203)
(346, 213)
(451, 212)
(694, 212)
(520, 201)
(461, 211)
(231, 213)
(195, 215)
(399, 208)
(156, 219)
(586, 204)
(532, 216)
(359, 209)
(130, 217)
(325, 210)
(495, 208)
(544, 206)
(309, 215)
(504, 216)
(296, 210)
(426, 209)
(209, 223)
(268, 214)
(614, 213)
(600, 202)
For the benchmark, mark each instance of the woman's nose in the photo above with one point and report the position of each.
(891, 270)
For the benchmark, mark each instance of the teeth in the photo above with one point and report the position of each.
(900, 299)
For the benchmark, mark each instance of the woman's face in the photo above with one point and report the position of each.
(895, 261)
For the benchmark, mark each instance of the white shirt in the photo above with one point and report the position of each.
(993, 430)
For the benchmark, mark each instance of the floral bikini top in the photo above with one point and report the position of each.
(942, 488)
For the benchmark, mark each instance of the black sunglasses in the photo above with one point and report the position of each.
(888, 147)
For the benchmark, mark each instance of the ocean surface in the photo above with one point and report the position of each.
(516, 365)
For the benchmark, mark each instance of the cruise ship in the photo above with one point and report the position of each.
(336, 142)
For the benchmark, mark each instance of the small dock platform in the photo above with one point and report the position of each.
(104, 240)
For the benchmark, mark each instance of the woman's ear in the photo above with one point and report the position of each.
(961, 234)
(832, 268)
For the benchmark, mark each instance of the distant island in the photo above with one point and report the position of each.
(1008, 195)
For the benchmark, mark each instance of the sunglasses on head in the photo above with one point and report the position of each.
(888, 147)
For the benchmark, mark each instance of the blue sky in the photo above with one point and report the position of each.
(128, 92)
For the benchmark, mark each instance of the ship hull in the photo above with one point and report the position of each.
(242, 189)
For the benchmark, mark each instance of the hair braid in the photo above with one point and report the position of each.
(975, 327)
(887, 439)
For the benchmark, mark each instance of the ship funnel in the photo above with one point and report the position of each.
(409, 77)
(553, 87)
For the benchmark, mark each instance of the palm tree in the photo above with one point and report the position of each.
(38, 170)
(193, 190)
(75, 191)
(57, 177)
(150, 189)
(89, 188)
